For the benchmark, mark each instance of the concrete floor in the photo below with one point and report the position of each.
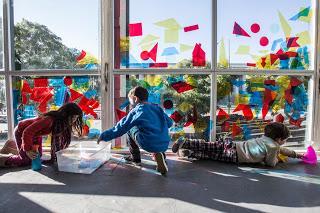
(205, 186)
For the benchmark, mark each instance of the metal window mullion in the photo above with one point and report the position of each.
(213, 92)
(316, 99)
(7, 64)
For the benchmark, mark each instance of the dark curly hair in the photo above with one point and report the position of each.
(276, 130)
(62, 127)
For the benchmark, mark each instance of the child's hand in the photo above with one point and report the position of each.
(32, 154)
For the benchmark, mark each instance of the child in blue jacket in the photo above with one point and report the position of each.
(146, 126)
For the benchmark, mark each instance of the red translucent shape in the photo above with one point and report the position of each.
(246, 110)
(168, 104)
(270, 82)
(264, 41)
(291, 54)
(135, 29)
(181, 86)
(193, 117)
(280, 51)
(120, 114)
(273, 58)
(237, 30)
(225, 126)
(87, 106)
(292, 42)
(288, 96)
(188, 123)
(26, 87)
(161, 64)
(144, 55)
(283, 56)
(41, 82)
(255, 28)
(295, 82)
(24, 98)
(67, 81)
(85, 130)
(176, 116)
(279, 118)
(222, 115)
(251, 64)
(296, 123)
(191, 28)
(153, 53)
(74, 95)
(81, 56)
(236, 130)
(39, 93)
(198, 56)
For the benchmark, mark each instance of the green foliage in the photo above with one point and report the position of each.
(36, 47)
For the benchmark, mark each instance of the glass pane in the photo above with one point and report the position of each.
(56, 34)
(247, 103)
(185, 98)
(3, 112)
(33, 96)
(272, 35)
(162, 34)
(1, 38)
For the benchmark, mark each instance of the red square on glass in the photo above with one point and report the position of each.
(135, 29)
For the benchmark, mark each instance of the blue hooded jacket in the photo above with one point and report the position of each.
(152, 124)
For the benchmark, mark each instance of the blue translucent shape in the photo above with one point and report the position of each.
(275, 43)
(56, 82)
(93, 133)
(154, 98)
(36, 163)
(237, 83)
(170, 51)
(60, 95)
(90, 93)
(284, 64)
(271, 87)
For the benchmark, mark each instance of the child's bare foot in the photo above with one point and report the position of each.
(9, 147)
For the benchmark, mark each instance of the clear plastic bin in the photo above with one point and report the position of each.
(83, 157)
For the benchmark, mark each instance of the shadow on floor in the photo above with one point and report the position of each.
(212, 185)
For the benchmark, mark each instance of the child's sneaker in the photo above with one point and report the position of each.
(185, 153)
(161, 163)
(177, 145)
(129, 159)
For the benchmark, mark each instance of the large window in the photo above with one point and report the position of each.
(56, 34)
(163, 34)
(272, 35)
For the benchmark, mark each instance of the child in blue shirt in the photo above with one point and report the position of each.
(146, 126)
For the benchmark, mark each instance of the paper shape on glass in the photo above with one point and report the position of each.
(302, 13)
(225, 126)
(191, 117)
(191, 28)
(275, 43)
(255, 28)
(170, 51)
(67, 80)
(120, 114)
(185, 47)
(168, 104)
(148, 39)
(182, 86)
(26, 87)
(237, 83)
(41, 82)
(145, 55)
(273, 58)
(184, 107)
(264, 41)
(223, 61)
(246, 110)
(292, 42)
(81, 56)
(279, 118)
(251, 64)
(170, 23)
(135, 29)
(295, 82)
(304, 38)
(296, 123)
(237, 30)
(176, 117)
(310, 157)
(74, 95)
(284, 25)
(171, 36)
(198, 56)
(236, 130)
(88, 106)
(222, 115)
(159, 64)
(243, 50)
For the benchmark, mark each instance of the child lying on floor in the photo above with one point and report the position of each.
(265, 149)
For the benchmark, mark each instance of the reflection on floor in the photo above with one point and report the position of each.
(204, 186)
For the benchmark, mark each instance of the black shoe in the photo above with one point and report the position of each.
(177, 145)
(161, 163)
(129, 159)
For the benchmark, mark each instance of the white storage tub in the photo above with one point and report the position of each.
(83, 157)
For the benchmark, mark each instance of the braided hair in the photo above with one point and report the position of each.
(63, 126)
